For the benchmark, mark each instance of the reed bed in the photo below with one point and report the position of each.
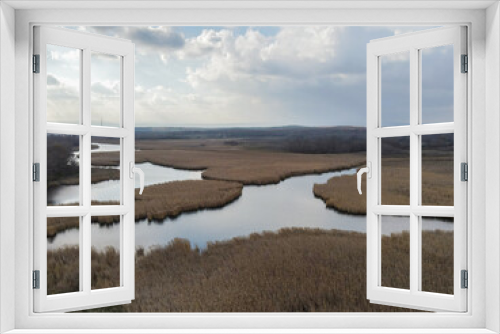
(97, 175)
(173, 198)
(63, 269)
(340, 193)
(249, 167)
(293, 270)
(161, 201)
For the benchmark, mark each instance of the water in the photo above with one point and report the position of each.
(110, 190)
(290, 203)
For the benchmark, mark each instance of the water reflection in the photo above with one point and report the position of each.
(106, 190)
(290, 203)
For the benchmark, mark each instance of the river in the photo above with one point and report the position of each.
(291, 203)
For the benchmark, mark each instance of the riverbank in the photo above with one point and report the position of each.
(173, 198)
(294, 270)
(341, 194)
(166, 200)
(249, 167)
(97, 175)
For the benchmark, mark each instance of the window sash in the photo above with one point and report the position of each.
(86, 297)
(452, 14)
(413, 298)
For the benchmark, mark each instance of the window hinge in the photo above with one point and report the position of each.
(464, 171)
(36, 279)
(465, 64)
(36, 63)
(465, 279)
(36, 172)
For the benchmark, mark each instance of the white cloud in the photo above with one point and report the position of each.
(289, 75)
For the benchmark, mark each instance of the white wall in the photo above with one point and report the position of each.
(492, 163)
(7, 160)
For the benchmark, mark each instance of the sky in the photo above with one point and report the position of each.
(249, 76)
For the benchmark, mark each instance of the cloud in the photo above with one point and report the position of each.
(52, 80)
(310, 75)
(160, 41)
(156, 37)
(204, 44)
(294, 53)
(63, 101)
(106, 88)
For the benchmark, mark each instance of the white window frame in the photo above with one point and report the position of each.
(86, 44)
(484, 49)
(413, 43)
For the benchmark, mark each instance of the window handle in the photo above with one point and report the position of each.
(134, 170)
(368, 171)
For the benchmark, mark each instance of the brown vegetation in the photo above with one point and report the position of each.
(171, 199)
(58, 224)
(105, 268)
(294, 270)
(63, 269)
(97, 175)
(246, 166)
(163, 200)
(341, 193)
(437, 261)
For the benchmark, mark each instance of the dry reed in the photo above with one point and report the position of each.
(294, 270)
(341, 193)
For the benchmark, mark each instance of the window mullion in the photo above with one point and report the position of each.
(85, 234)
(414, 170)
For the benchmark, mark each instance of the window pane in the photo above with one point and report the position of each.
(395, 89)
(437, 84)
(437, 169)
(106, 165)
(105, 257)
(437, 255)
(63, 170)
(395, 243)
(395, 178)
(63, 84)
(63, 255)
(105, 89)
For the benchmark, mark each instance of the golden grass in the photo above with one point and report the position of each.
(163, 200)
(63, 269)
(58, 224)
(341, 192)
(437, 262)
(105, 268)
(396, 260)
(247, 166)
(294, 270)
(97, 175)
(171, 199)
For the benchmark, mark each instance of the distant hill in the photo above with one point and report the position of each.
(293, 138)
(298, 139)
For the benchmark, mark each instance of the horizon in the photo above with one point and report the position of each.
(242, 76)
(216, 126)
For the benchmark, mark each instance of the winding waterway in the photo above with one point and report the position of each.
(291, 203)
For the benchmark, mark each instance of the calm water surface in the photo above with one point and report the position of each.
(290, 203)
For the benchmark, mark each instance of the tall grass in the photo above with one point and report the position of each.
(63, 269)
(161, 201)
(294, 270)
(249, 167)
(341, 192)
(172, 198)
